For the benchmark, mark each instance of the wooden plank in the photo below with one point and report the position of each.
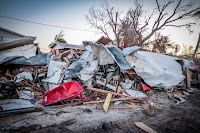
(119, 89)
(107, 102)
(113, 93)
(112, 100)
(188, 77)
(17, 92)
(197, 46)
(5, 45)
(121, 107)
(144, 127)
(110, 79)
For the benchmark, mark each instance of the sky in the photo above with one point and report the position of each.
(71, 14)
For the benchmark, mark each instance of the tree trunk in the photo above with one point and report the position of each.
(125, 39)
(197, 46)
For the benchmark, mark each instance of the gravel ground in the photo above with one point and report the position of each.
(167, 116)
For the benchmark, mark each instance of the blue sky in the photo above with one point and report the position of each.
(69, 13)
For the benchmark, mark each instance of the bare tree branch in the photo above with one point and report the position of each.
(135, 27)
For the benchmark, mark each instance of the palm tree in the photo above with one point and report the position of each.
(58, 38)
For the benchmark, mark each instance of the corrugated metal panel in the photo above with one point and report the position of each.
(118, 57)
(64, 45)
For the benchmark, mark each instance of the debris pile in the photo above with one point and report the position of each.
(93, 73)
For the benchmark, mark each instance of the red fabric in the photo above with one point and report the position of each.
(62, 92)
(145, 87)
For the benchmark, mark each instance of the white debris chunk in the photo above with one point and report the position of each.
(134, 93)
(54, 71)
(23, 76)
(26, 95)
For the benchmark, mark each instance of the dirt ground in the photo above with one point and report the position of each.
(168, 117)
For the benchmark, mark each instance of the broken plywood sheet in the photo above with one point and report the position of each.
(157, 70)
(144, 127)
(13, 43)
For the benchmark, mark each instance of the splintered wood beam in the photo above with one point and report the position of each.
(144, 127)
(188, 77)
(113, 93)
(112, 100)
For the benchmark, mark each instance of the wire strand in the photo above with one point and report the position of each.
(45, 24)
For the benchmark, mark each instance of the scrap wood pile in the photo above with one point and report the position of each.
(94, 74)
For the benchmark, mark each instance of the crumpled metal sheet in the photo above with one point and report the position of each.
(98, 52)
(59, 45)
(156, 70)
(130, 50)
(55, 71)
(74, 69)
(85, 68)
(88, 55)
(41, 59)
(118, 57)
(89, 70)
(24, 51)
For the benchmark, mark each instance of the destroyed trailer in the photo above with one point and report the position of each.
(72, 75)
